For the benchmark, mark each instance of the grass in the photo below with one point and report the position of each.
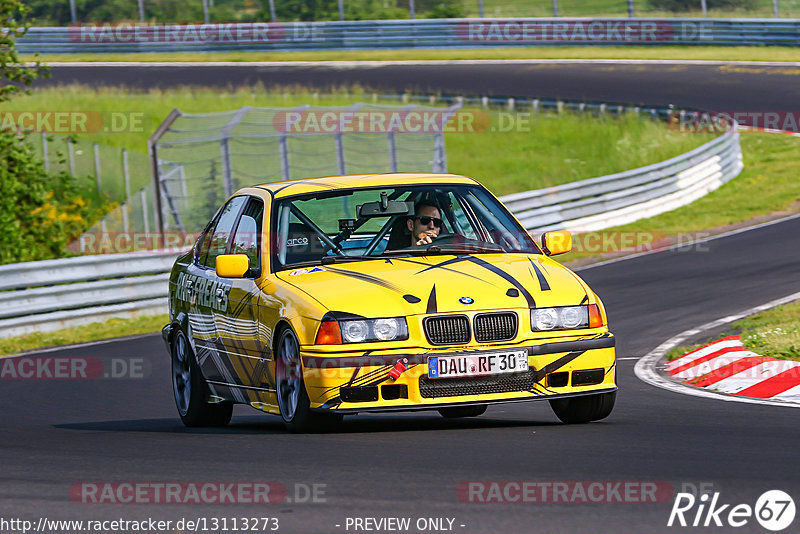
(109, 329)
(774, 333)
(767, 184)
(715, 53)
(534, 146)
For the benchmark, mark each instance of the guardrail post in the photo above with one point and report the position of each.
(341, 9)
(535, 105)
(630, 9)
(775, 8)
(704, 7)
(411, 10)
(480, 8)
(340, 163)
(510, 104)
(127, 178)
(555, 8)
(97, 174)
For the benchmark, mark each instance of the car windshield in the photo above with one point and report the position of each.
(357, 224)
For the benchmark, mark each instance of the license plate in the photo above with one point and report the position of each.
(477, 364)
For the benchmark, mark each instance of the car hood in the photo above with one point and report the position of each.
(439, 284)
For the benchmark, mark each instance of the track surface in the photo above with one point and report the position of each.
(57, 433)
(716, 87)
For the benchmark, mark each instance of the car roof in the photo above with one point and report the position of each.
(350, 181)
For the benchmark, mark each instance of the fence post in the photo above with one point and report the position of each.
(411, 10)
(44, 152)
(127, 178)
(143, 197)
(704, 7)
(73, 12)
(392, 152)
(630, 9)
(555, 8)
(284, 153)
(480, 8)
(205, 11)
(97, 172)
(272, 17)
(775, 8)
(141, 10)
(71, 156)
(227, 173)
(341, 9)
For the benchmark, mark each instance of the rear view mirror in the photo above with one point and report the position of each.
(232, 265)
(556, 242)
(385, 208)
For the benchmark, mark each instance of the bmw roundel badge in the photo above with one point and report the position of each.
(466, 300)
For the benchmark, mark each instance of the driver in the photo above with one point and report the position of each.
(425, 225)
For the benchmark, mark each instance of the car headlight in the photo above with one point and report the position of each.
(362, 330)
(566, 318)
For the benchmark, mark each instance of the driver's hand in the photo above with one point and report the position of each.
(425, 238)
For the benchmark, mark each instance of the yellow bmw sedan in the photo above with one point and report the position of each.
(313, 299)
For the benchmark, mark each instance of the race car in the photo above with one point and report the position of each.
(313, 299)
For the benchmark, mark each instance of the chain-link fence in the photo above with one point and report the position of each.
(103, 171)
(204, 158)
(62, 12)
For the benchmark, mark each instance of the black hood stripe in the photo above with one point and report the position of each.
(367, 278)
(432, 308)
(499, 272)
(543, 284)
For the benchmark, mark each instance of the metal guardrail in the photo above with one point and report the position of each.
(42, 296)
(616, 199)
(431, 33)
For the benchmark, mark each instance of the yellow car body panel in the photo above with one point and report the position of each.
(232, 323)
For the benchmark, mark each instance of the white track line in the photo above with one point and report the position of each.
(645, 368)
(406, 62)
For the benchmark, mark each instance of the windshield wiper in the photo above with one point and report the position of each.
(477, 249)
(327, 260)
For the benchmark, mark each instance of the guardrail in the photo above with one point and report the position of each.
(42, 296)
(431, 33)
(616, 199)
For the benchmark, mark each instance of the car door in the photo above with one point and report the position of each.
(209, 301)
(246, 338)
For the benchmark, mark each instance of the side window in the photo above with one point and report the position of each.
(463, 224)
(218, 242)
(247, 238)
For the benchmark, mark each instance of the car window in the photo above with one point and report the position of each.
(247, 238)
(219, 240)
(471, 221)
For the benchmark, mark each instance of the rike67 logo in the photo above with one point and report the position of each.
(774, 510)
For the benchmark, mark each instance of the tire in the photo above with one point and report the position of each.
(463, 411)
(579, 410)
(293, 401)
(191, 391)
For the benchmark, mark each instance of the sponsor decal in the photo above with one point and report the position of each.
(306, 270)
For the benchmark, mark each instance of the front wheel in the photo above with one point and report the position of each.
(579, 410)
(293, 401)
(191, 390)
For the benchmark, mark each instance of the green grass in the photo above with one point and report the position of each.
(718, 53)
(548, 149)
(112, 328)
(774, 333)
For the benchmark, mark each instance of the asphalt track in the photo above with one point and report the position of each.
(719, 87)
(56, 433)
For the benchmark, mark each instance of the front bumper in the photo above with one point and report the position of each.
(361, 382)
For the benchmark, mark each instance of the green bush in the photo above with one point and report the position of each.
(42, 212)
(695, 5)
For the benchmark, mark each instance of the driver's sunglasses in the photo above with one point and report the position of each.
(425, 221)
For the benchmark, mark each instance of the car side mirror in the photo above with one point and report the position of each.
(557, 242)
(232, 265)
